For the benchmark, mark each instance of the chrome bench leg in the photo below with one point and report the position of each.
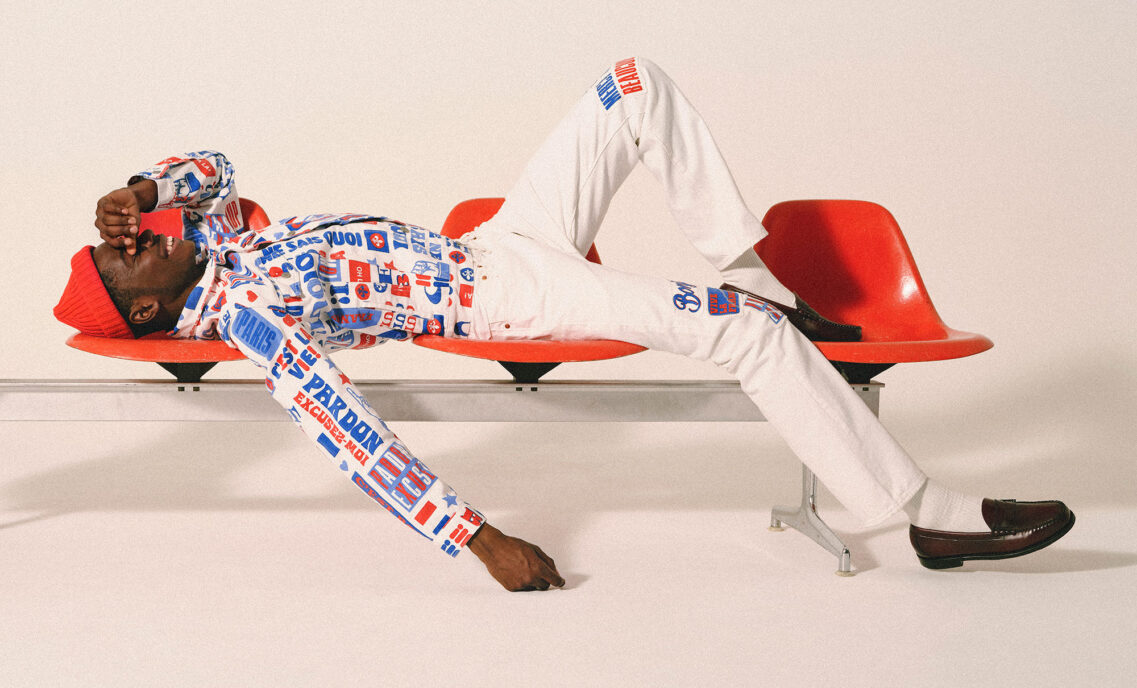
(804, 519)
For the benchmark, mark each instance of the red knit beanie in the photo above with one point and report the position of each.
(86, 305)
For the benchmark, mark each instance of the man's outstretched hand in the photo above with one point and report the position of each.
(514, 563)
(118, 213)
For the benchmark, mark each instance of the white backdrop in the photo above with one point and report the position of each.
(999, 134)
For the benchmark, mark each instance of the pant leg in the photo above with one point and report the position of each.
(633, 113)
(535, 291)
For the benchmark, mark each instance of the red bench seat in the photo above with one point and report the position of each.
(848, 259)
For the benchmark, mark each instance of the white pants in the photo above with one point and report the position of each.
(538, 285)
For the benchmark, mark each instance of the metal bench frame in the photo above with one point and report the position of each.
(432, 401)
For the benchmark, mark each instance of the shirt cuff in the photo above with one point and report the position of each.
(165, 188)
(448, 521)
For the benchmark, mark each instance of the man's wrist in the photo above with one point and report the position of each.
(482, 542)
(145, 192)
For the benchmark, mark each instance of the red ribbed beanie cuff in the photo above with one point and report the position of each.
(86, 305)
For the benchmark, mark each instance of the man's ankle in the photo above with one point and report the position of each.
(934, 507)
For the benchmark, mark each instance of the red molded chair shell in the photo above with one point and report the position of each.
(157, 347)
(466, 216)
(532, 350)
(849, 260)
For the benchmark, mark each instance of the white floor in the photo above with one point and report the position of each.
(153, 554)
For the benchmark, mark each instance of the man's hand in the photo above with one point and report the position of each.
(514, 563)
(118, 213)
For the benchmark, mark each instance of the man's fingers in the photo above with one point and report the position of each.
(546, 571)
(116, 235)
(122, 216)
(552, 573)
(548, 578)
(118, 231)
(117, 209)
(117, 217)
(119, 241)
(540, 574)
(109, 207)
(113, 220)
(555, 578)
(538, 583)
(544, 557)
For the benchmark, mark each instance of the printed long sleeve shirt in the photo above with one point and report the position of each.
(288, 294)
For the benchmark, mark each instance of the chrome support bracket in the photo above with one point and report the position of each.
(805, 520)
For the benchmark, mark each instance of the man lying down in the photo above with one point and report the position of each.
(290, 294)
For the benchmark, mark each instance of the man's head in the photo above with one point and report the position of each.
(113, 293)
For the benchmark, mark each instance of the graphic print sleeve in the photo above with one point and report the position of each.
(341, 422)
(202, 185)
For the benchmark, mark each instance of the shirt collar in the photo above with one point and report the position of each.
(195, 303)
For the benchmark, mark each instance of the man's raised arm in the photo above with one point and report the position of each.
(201, 183)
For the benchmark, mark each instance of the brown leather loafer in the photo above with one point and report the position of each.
(1017, 528)
(809, 322)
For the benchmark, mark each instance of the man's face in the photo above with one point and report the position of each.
(164, 267)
